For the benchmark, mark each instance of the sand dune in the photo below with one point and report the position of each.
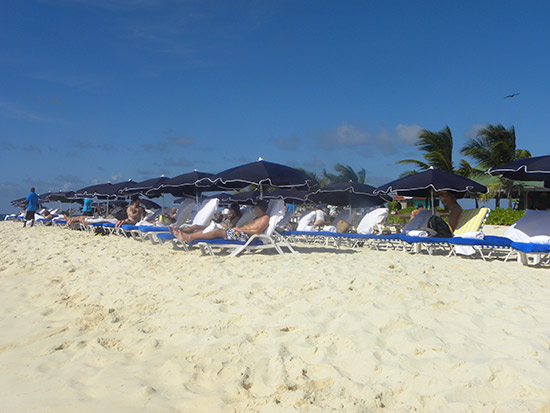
(91, 323)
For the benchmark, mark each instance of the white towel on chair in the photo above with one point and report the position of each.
(417, 233)
(466, 249)
(540, 239)
(473, 235)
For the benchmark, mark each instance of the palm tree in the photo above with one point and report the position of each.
(437, 148)
(345, 173)
(494, 146)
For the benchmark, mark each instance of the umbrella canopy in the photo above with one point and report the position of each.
(106, 190)
(144, 186)
(18, 203)
(245, 198)
(147, 203)
(44, 197)
(186, 184)
(351, 194)
(62, 196)
(261, 173)
(529, 169)
(290, 196)
(423, 184)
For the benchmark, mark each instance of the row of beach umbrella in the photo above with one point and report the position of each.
(294, 186)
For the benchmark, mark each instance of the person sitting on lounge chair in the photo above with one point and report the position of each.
(258, 226)
(451, 206)
(320, 218)
(135, 214)
(229, 221)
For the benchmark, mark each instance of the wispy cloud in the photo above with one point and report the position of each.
(473, 130)
(290, 143)
(6, 146)
(169, 143)
(385, 141)
(82, 145)
(15, 111)
(176, 162)
(114, 5)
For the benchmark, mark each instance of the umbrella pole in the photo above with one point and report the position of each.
(261, 191)
(433, 206)
(163, 203)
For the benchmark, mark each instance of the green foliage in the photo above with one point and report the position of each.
(345, 173)
(393, 206)
(502, 216)
(437, 148)
(394, 218)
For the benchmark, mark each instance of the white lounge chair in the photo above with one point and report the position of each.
(268, 240)
(530, 237)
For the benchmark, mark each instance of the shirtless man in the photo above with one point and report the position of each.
(258, 226)
(451, 206)
(135, 214)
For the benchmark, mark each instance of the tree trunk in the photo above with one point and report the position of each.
(497, 201)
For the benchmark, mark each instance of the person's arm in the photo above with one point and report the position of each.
(258, 226)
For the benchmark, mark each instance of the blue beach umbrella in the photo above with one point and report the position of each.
(62, 196)
(141, 188)
(262, 173)
(352, 194)
(186, 184)
(290, 196)
(529, 169)
(424, 184)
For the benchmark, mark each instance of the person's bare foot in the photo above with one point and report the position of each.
(178, 233)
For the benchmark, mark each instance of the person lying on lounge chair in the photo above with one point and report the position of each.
(451, 207)
(135, 214)
(229, 221)
(258, 226)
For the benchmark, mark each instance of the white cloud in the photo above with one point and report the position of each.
(385, 141)
(287, 144)
(116, 177)
(350, 135)
(408, 133)
(473, 130)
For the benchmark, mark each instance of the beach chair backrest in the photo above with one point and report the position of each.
(276, 212)
(305, 221)
(207, 211)
(185, 210)
(471, 220)
(532, 224)
(371, 220)
(418, 222)
(284, 221)
(247, 215)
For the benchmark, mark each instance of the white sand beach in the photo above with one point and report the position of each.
(94, 323)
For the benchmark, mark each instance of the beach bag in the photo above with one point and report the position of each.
(437, 227)
(342, 226)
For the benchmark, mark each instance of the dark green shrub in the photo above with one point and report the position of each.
(502, 216)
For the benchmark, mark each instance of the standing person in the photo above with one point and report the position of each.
(32, 205)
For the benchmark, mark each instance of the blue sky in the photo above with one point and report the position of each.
(97, 90)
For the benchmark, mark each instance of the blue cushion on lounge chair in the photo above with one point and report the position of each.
(165, 236)
(151, 228)
(489, 240)
(528, 247)
(128, 227)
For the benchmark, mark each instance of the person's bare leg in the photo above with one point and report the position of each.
(217, 233)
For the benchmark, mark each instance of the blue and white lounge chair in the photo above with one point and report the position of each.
(268, 240)
(530, 237)
(467, 238)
